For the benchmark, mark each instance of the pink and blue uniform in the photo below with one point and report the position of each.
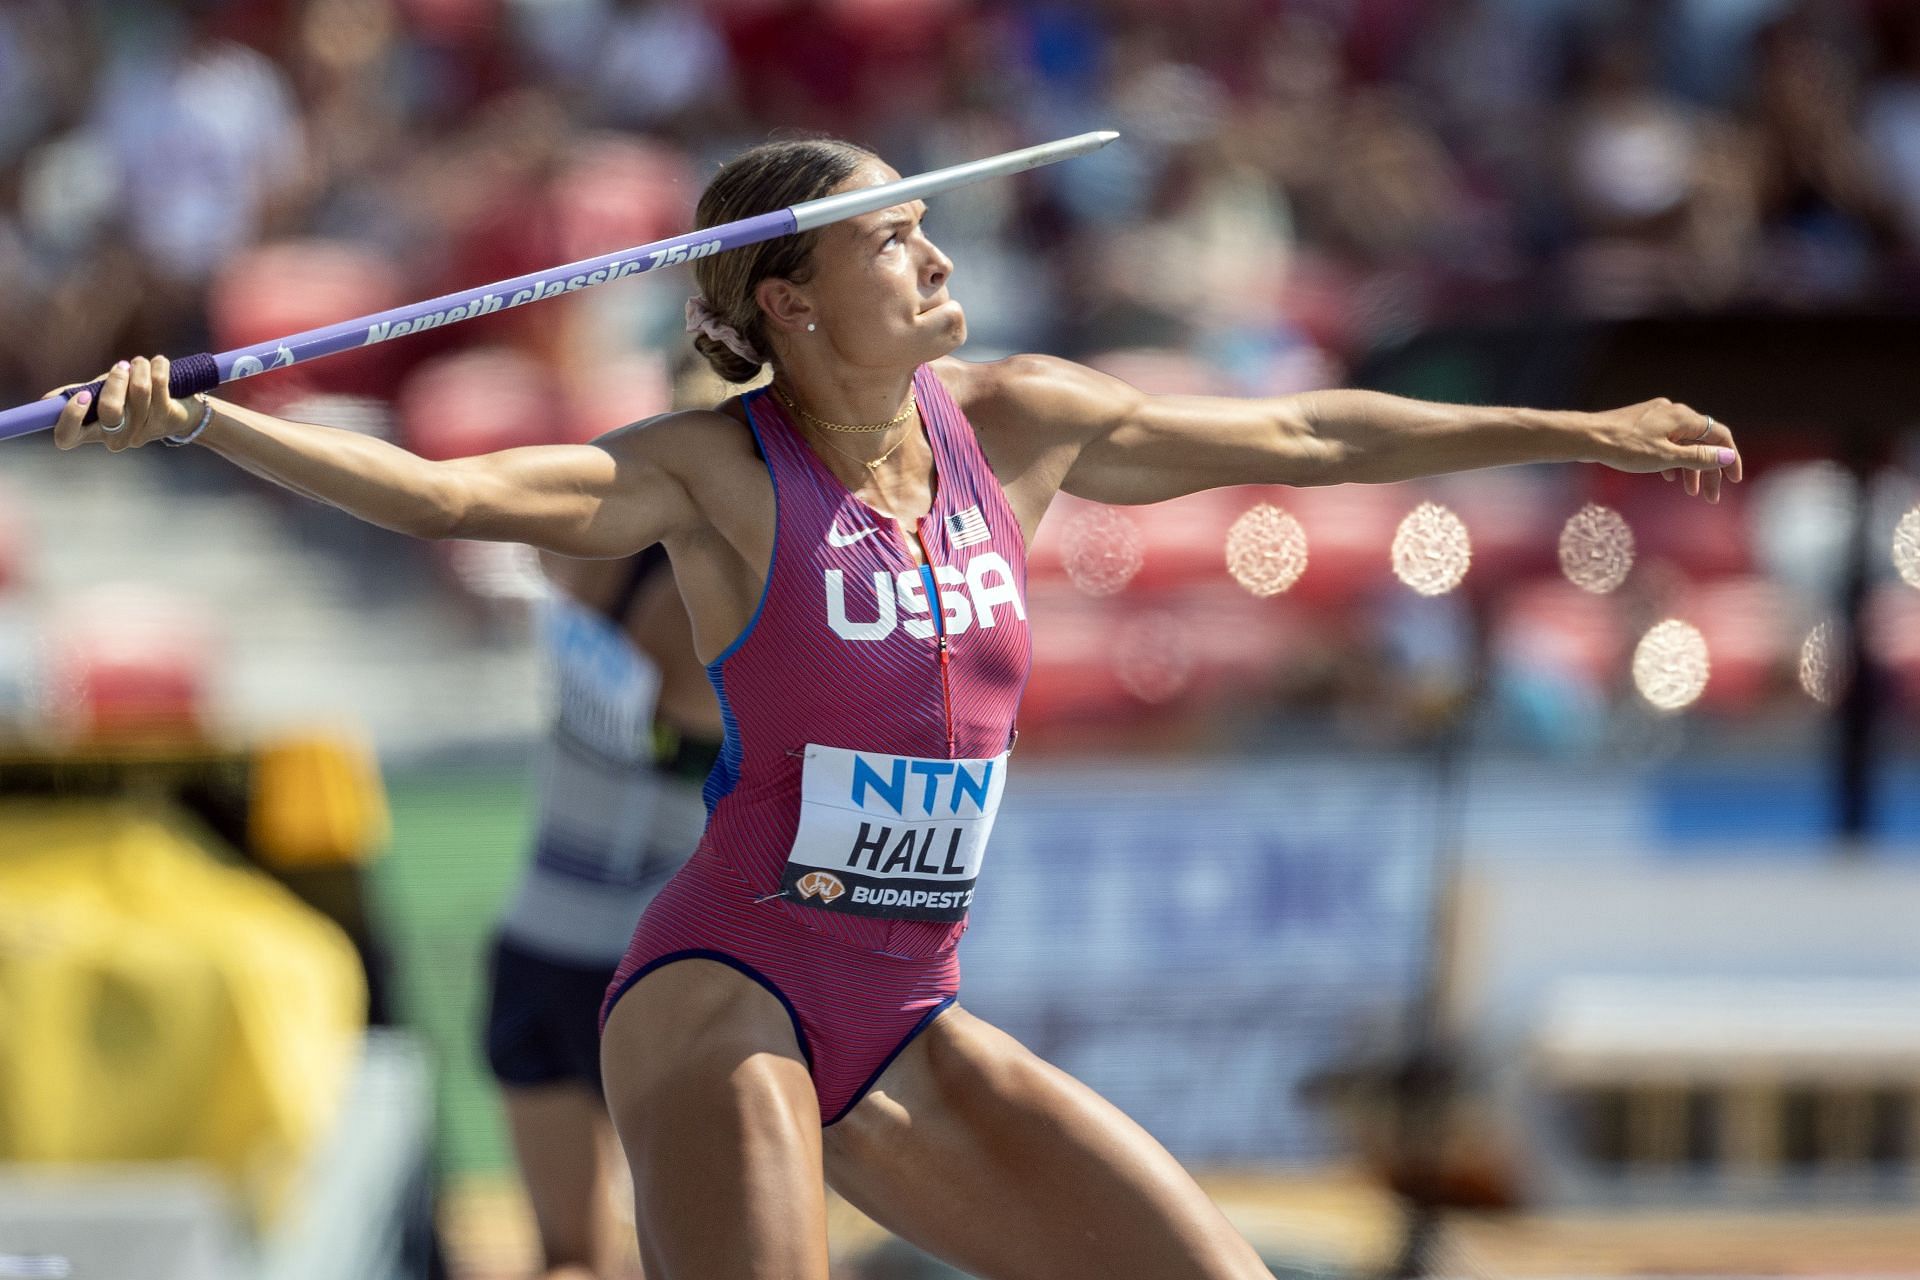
(869, 708)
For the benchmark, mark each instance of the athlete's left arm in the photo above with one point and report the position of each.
(1136, 448)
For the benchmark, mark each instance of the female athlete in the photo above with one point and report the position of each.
(850, 545)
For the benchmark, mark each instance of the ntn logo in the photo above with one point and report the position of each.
(964, 780)
(966, 599)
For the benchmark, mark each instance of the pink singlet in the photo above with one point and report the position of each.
(869, 709)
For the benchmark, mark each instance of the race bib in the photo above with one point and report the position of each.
(897, 837)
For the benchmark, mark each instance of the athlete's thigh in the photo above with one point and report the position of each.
(720, 1125)
(974, 1149)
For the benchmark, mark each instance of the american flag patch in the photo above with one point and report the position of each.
(968, 528)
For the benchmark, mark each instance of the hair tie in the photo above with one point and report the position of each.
(703, 319)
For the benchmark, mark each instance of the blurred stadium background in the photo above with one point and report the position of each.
(1480, 932)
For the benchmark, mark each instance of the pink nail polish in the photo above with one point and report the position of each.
(85, 397)
(1727, 457)
(123, 366)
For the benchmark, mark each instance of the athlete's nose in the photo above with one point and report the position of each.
(939, 266)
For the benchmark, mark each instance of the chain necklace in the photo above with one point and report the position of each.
(898, 418)
(873, 465)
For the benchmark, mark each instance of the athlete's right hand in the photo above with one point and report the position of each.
(135, 408)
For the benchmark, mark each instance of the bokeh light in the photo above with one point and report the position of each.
(1906, 547)
(1101, 551)
(1670, 665)
(1153, 657)
(1266, 550)
(1596, 549)
(1823, 664)
(1431, 550)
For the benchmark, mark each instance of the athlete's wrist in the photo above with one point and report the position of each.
(1556, 435)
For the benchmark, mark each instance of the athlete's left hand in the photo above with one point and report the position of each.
(1659, 435)
(135, 408)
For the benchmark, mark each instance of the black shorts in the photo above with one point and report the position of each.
(543, 1019)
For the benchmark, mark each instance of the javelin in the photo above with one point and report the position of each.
(206, 371)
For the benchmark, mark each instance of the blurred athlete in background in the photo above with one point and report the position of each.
(635, 732)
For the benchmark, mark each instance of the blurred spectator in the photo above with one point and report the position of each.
(1298, 182)
(1827, 214)
(1654, 186)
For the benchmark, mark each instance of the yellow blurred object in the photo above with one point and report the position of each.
(318, 801)
(159, 1003)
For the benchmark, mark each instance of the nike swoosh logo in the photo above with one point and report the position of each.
(835, 538)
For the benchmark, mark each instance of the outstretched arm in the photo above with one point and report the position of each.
(1138, 448)
(609, 498)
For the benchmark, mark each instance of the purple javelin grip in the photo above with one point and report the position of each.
(204, 372)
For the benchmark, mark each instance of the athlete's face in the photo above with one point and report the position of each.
(879, 284)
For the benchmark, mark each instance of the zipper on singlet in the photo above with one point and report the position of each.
(939, 612)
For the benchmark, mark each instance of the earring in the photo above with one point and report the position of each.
(809, 326)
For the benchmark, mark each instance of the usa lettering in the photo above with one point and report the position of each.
(889, 602)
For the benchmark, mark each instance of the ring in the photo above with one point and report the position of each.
(1705, 431)
(118, 426)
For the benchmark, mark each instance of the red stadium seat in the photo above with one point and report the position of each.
(1751, 648)
(479, 401)
(13, 544)
(1349, 531)
(1893, 638)
(1162, 371)
(1073, 679)
(1704, 540)
(277, 290)
(1513, 516)
(1184, 542)
(614, 392)
(126, 662)
(615, 192)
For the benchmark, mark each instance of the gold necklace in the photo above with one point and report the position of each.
(874, 465)
(898, 418)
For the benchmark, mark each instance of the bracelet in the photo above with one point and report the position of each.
(206, 416)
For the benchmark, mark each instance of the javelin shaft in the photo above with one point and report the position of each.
(204, 372)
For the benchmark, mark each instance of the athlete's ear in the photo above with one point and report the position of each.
(785, 306)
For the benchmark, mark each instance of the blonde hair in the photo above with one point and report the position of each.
(770, 176)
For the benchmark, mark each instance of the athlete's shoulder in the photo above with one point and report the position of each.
(682, 436)
(1038, 395)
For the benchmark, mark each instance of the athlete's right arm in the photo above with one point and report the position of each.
(609, 498)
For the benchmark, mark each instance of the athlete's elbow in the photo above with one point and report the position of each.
(445, 509)
(1307, 462)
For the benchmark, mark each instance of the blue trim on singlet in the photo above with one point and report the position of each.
(732, 962)
(725, 775)
(887, 1061)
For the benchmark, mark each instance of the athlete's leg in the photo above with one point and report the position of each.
(542, 1042)
(720, 1124)
(977, 1151)
(561, 1137)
